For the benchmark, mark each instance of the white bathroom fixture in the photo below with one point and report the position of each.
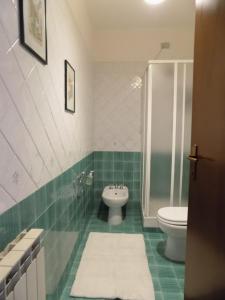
(115, 197)
(154, 2)
(173, 221)
(22, 267)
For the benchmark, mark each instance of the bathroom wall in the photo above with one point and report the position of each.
(117, 110)
(43, 148)
(117, 127)
(143, 44)
(61, 208)
(82, 20)
(121, 56)
(117, 168)
(38, 139)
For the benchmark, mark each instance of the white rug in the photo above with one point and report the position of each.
(114, 265)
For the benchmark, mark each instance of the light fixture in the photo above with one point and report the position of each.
(154, 2)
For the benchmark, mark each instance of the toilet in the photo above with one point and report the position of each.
(115, 197)
(173, 222)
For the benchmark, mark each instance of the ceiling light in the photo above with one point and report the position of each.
(154, 2)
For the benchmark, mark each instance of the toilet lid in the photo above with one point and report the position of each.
(174, 215)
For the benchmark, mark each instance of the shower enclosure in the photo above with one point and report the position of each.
(166, 109)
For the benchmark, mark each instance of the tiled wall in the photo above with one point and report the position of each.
(117, 106)
(61, 208)
(117, 168)
(38, 139)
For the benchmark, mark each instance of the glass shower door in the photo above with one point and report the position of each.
(167, 109)
(161, 135)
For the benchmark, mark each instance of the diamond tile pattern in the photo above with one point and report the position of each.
(38, 139)
(117, 107)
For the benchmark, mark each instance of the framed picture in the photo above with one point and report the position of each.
(69, 87)
(33, 31)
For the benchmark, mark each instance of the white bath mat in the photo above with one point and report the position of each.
(114, 265)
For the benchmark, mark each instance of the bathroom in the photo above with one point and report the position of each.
(93, 156)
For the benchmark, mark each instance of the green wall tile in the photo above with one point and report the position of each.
(119, 156)
(59, 208)
(117, 168)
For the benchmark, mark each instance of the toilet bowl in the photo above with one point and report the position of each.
(173, 221)
(115, 197)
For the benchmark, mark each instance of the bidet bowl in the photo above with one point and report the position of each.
(115, 198)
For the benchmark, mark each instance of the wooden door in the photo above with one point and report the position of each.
(205, 262)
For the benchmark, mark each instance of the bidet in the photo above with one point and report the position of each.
(115, 197)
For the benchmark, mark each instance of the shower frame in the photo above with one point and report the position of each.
(147, 98)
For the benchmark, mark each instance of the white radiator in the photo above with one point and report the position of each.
(22, 268)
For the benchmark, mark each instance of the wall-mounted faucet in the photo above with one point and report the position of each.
(81, 177)
(90, 178)
(117, 186)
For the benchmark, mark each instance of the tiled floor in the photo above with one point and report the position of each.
(168, 277)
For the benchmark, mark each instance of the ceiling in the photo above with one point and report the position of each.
(136, 14)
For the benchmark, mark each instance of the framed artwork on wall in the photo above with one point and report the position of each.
(69, 87)
(33, 29)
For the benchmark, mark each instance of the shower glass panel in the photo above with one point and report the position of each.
(180, 123)
(167, 112)
(187, 134)
(144, 139)
(161, 137)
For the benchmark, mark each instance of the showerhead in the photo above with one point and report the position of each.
(163, 46)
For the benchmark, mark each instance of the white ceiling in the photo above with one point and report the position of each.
(135, 14)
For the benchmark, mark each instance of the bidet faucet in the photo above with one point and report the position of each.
(120, 186)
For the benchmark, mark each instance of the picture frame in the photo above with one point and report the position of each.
(70, 77)
(33, 28)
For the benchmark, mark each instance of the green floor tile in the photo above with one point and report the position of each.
(167, 276)
(170, 285)
(158, 296)
(173, 296)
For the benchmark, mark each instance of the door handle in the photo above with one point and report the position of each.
(194, 154)
(192, 158)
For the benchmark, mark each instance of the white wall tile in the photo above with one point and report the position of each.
(9, 69)
(36, 128)
(117, 107)
(6, 200)
(38, 139)
(14, 131)
(26, 62)
(9, 20)
(13, 177)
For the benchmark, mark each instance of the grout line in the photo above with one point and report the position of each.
(12, 46)
(19, 160)
(8, 193)
(23, 122)
(53, 118)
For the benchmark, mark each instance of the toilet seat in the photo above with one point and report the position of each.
(173, 215)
